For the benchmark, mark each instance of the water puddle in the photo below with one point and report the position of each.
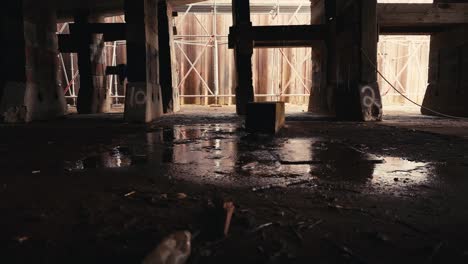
(223, 155)
(397, 173)
(116, 158)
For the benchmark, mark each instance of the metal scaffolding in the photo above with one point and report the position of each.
(70, 90)
(209, 42)
(212, 40)
(405, 61)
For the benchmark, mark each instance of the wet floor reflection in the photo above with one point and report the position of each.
(396, 172)
(226, 156)
(116, 158)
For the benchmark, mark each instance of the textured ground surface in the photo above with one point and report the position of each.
(96, 190)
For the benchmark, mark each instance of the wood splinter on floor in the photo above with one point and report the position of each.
(230, 208)
(130, 194)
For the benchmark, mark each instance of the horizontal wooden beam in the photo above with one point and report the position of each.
(420, 18)
(416, 29)
(67, 44)
(288, 36)
(281, 36)
(111, 31)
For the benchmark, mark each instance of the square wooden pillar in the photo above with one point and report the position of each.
(240, 37)
(143, 101)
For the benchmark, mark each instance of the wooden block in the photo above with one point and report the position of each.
(267, 117)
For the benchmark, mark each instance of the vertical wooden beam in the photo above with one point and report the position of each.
(85, 94)
(13, 59)
(175, 64)
(319, 93)
(143, 102)
(369, 39)
(101, 96)
(243, 51)
(29, 63)
(136, 46)
(447, 91)
(371, 101)
(136, 92)
(92, 96)
(352, 59)
(331, 56)
(165, 71)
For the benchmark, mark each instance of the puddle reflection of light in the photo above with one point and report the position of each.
(396, 169)
(224, 161)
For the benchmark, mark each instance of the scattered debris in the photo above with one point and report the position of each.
(382, 237)
(410, 226)
(22, 239)
(229, 207)
(315, 224)
(340, 207)
(345, 250)
(216, 157)
(280, 185)
(301, 162)
(130, 194)
(280, 252)
(15, 115)
(436, 251)
(261, 249)
(260, 227)
(298, 235)
(175, 249)
(250, 166)
(181, 196)
(205, 253)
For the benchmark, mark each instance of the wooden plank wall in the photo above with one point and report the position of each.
(406, 55)
(268, 64)
(404, 61)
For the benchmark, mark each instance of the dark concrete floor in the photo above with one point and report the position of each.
(97, 190)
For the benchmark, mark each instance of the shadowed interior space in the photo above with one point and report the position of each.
(234, 131)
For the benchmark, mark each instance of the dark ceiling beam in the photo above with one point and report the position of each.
(288, 36)
(420, 19)
(111, 31)
(425, 29)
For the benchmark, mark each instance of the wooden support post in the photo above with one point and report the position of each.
(92, 96)
(143, 102)
(447, 91)
(136, 92)
(241, 37)
(352, 59)
(165, 72)
(319, 101)
(371, 101)
(13, 60)
(29, 63)
(85, 94)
